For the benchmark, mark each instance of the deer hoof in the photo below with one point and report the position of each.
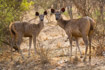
(81, 57)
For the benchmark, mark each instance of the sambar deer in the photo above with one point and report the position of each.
(19, 30)
(82, 27)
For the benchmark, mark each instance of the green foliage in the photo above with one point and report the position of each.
(25, 5)
(11, 10)
(97, 13)
(66, 13)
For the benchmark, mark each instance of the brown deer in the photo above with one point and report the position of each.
(19, 30)
(82, 27)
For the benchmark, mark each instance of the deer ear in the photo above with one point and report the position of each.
(45, 12)
(63, 9)
(37, 14)
(52, 11)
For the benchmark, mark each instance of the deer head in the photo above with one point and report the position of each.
(41, 16)
(58, 13)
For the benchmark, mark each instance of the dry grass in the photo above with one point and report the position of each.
(100, 47)
(33, 63)
(43, 54)
(74, 60)
(99, 50)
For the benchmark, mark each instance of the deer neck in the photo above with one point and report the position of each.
(61, 22)
(41, 25)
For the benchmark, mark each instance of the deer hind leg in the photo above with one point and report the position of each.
(85, 39)
(90, 40)
(18, 43)
(12, 44)
(78, 48)
(34, 41)
(30, 42)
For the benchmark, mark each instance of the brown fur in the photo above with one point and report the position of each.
(82, 27)
(19, 30)
(77, 27)
(25, 28)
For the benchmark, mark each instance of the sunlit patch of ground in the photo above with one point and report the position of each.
(54, 63)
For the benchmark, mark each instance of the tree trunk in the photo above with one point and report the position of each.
(101, 13)
(69, 8)
(70, 11)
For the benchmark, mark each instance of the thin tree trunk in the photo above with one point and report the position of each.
(101, 13)
(69, 8)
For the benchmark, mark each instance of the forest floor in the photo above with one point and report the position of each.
(53, 46)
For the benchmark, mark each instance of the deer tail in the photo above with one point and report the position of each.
(11, 28)
(13, 34)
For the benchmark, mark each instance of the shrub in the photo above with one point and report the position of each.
(11, 10)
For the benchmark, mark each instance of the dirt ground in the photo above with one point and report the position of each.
(60, 62)
(53, 46)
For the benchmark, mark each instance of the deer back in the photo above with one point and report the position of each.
(77, 27)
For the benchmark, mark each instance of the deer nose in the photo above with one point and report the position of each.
(56, 18)
(41, 19)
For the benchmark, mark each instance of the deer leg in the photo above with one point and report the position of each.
(78, 48)
(85, 39)
(11, 52)
(12, 43)
(90, 39)
(70, 41)
(30, 42)
(34, 41)
(18, 43)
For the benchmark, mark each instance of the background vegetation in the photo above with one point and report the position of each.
(13, 10)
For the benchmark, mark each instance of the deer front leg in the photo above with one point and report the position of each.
(70, 41)
(34, 41)
(30, 42)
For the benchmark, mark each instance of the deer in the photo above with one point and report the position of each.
(77, 28)
(18, 30)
